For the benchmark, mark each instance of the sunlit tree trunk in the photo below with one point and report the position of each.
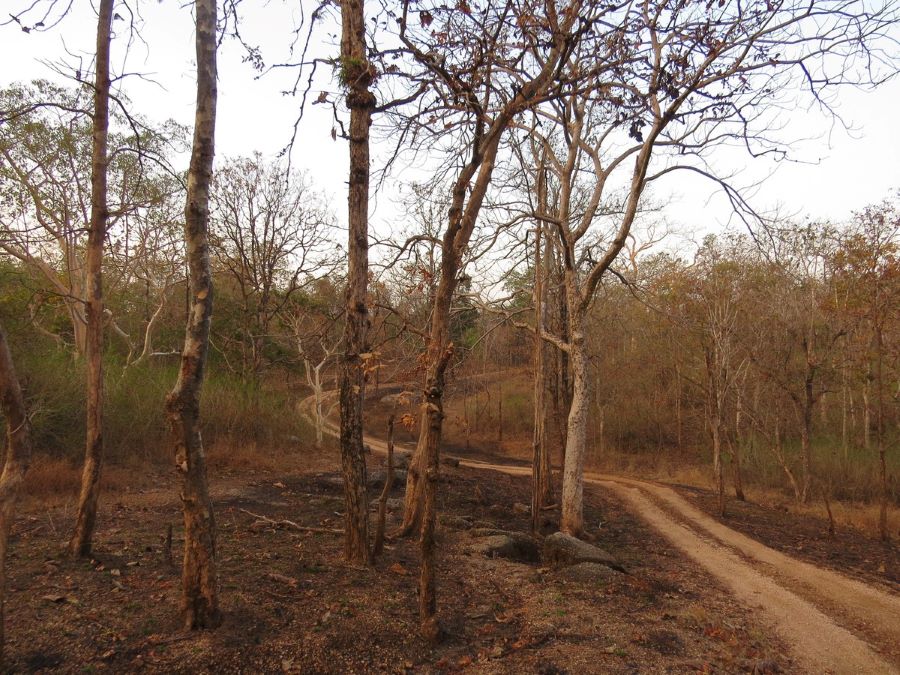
(18, 456)
(572, 516)
(200, 601)
(80, 544)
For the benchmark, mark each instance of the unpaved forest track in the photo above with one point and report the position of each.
(812, 608)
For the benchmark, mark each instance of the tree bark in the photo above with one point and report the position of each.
(357, 76)
(541, 488)
(18, 457)
(879, 430)
(805, 433)
(572, 519)
(80, 544)
(199, 604)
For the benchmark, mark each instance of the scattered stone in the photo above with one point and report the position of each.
(562, 550)
(510, 545)
(588, 572)
(520, 508)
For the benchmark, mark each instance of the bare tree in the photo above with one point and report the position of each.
(693, 77)
(199, 580)
(267, 231)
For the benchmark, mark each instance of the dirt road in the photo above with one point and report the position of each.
(827, 618)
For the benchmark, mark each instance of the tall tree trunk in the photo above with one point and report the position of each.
(200, 603)
(80, 544)
(357, 74)
(718, 463)
(805, 433)
(18, 457)
(879, 431)
(572, 519)
(432, 409)
(541, 488)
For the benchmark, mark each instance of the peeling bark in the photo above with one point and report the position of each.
(199, 602)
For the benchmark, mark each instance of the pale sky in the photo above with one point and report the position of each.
(845, 171)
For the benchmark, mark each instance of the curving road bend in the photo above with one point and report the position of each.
(822, 614)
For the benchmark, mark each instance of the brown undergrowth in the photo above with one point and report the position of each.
(292, 605)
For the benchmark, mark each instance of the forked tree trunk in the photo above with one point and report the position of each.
(18, 456)
(80, 544)
(357, 75)
(200, 602)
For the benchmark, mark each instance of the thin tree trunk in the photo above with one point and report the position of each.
(572, 519)
(805, 433)
(718, 462)
(386, 492)
(199, 602)
(86, 517)
(541, 488)
(867, 411)
(357, 74)
(18, 457)
(879, 432)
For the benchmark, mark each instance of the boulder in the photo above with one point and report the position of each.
(510, 545)
(563, 550)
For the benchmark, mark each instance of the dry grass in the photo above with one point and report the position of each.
(227, 456)
(51, 479)
(861, 516)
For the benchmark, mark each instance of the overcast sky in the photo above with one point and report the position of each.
(841, 171)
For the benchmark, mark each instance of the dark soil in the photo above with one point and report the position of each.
(292, 605)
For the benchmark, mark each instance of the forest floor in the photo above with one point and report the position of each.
(698, 595)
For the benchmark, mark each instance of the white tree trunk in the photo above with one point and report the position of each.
(572, 521)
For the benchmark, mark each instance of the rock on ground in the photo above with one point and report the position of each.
(563, 550)
(510, 545)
